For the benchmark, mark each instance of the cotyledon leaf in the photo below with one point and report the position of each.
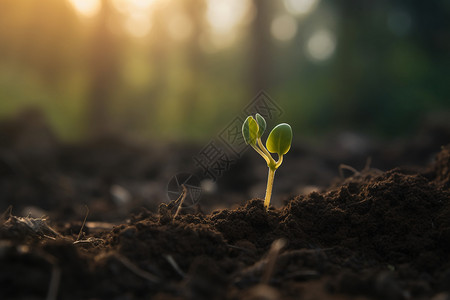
(250, 130)
(280, 139)
(261, 123)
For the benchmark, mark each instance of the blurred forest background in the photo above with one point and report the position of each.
(183, 69)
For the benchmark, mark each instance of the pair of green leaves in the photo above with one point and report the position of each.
(279, 140)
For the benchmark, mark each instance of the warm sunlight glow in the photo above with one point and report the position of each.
(138, 25)
(87, 8)
(223, 17)
(137, 14)
(214, 43)
(180, 27)
(284, 28)
(140, 4)
(321, 45)
(127, 6)
(300, 7)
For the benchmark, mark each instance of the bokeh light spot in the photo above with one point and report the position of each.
(284, 28)
(224, 15)
(136, 12)
(321, 45)
(300, 7)
(87, 8)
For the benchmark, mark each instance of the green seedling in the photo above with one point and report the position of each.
(279, 142)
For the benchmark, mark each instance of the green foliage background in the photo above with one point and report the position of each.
(89, 75)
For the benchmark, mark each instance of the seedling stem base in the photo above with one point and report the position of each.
(269, 187)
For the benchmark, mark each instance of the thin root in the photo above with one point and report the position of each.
(174, 265)
(54, 283)
(349, 168)
(272, 257)
(55, 277)
(133, 268)
(239, 248)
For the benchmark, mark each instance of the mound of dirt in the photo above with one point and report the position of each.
(375, 235)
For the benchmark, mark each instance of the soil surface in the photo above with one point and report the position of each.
(369, 234)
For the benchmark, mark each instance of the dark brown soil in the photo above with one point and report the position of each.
(373, 235)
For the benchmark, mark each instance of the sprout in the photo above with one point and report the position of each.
(279, 141)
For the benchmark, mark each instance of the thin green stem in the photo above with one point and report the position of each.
(261, 153)
(261, 146)
(271, 163)
(269, 187)
(280, 160)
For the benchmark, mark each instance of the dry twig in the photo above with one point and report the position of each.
(84, 222)
(181, 201)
